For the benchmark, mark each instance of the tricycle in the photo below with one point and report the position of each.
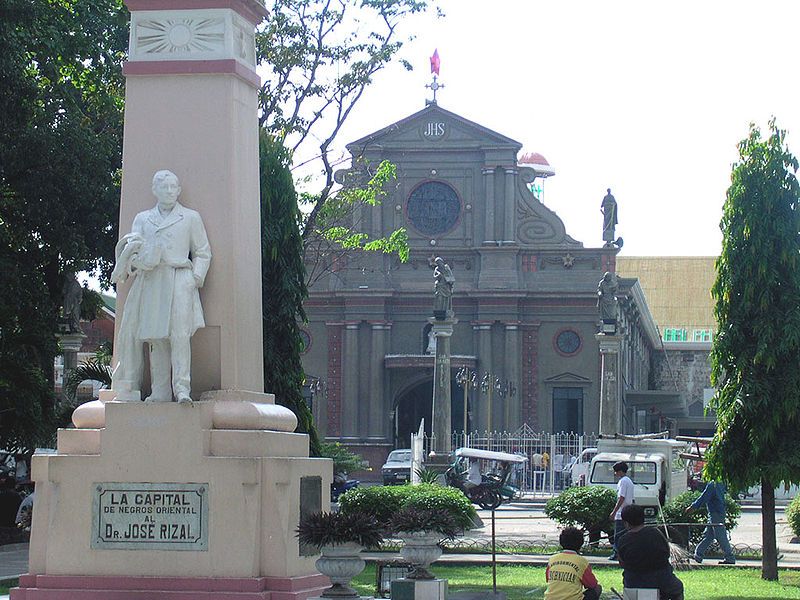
(493, 488)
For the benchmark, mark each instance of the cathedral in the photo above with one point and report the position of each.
(525, 298)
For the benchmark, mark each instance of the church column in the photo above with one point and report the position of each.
(350, 371)
(510, 208)
(480, 406)
(378, 403)
(512, 402)
(488, 186)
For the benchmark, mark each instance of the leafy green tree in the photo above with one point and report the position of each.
(319, 57)
(757, 348)
(61, 91)
(283, 284)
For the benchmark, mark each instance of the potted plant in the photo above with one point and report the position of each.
(421, 531)
(340, 537)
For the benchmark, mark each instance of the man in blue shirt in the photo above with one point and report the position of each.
(713, 498)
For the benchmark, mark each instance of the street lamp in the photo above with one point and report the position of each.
(466, 379)
(491, 384)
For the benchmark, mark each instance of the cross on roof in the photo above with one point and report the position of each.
(434, 85)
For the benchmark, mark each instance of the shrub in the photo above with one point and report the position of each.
(585, 507)
(383, 502)
(793, 515)
(674, 511)
(411, 520)
(331, 529)
(379, 501)
(442, 499)
(344, 461)
(427, 475)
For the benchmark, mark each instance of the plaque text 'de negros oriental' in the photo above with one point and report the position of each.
(150, 516)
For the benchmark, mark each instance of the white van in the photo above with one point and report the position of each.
(654, 465)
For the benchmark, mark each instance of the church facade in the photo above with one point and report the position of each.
(525, 299)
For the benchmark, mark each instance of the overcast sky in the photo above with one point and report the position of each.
(649, 99)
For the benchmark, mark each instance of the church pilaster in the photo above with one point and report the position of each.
(512, 361)
(350, 425)
(488, 187)
(378, 401)
(509, 236)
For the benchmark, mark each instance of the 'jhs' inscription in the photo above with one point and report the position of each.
(434, 129)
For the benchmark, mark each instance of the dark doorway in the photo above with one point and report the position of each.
(415, 404)
(568, 410)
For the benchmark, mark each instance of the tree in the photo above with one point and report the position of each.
(757, 348)
(283, 284)
(61, 91)
(321, 55)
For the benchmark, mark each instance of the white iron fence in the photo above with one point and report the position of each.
(550, 455)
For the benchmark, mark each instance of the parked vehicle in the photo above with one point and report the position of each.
(341, 484)
(654, 465)
(494, 488)
(579, 471)
(397, 468)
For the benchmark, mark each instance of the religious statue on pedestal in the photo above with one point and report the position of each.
(168, 255)
(607, 297)
(609, 209)
(72, 295)
(442, 289)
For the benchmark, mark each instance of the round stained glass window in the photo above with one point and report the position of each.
(568, 342)
(433, 208)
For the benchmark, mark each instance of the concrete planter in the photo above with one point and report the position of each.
(340, 563)
(420, 548)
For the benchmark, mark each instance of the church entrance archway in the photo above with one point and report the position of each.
(414, 404)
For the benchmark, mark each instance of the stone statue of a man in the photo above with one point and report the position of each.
(442, 289)
(72, 295)
(607, 297)
(609, 209)
(168, 255)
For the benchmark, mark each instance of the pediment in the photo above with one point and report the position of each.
(436, 126)
(567, 377)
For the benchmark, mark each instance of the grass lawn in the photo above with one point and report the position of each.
(527, 583)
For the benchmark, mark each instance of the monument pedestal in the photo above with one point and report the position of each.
(610, 383)
(162, 502)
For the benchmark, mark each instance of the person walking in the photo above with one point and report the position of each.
(624, 498)
(713, 498)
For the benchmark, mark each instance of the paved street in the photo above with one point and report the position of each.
(518, 521)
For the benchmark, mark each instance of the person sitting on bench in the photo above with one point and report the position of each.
(644, 556)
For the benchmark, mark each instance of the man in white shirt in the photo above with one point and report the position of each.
(624, 498)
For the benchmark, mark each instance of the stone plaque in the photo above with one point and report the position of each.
(310, 502)
(150, 516)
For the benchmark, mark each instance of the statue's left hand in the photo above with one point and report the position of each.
(198, 281)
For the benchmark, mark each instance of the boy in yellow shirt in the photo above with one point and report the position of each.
(569, 576)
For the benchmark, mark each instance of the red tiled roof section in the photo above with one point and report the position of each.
(533, 158)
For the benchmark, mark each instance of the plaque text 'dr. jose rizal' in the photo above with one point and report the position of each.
(150, 516)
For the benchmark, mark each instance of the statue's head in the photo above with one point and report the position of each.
(607, 276)
(166, 187)
(438, 261)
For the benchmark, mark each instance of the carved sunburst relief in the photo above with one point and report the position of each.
(180, 35)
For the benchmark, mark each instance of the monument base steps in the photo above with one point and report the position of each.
(71, 587)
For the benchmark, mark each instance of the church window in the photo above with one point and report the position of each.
(529, 263)
(701, 335)
(433, 208)
(675, 334)
(568, 342)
